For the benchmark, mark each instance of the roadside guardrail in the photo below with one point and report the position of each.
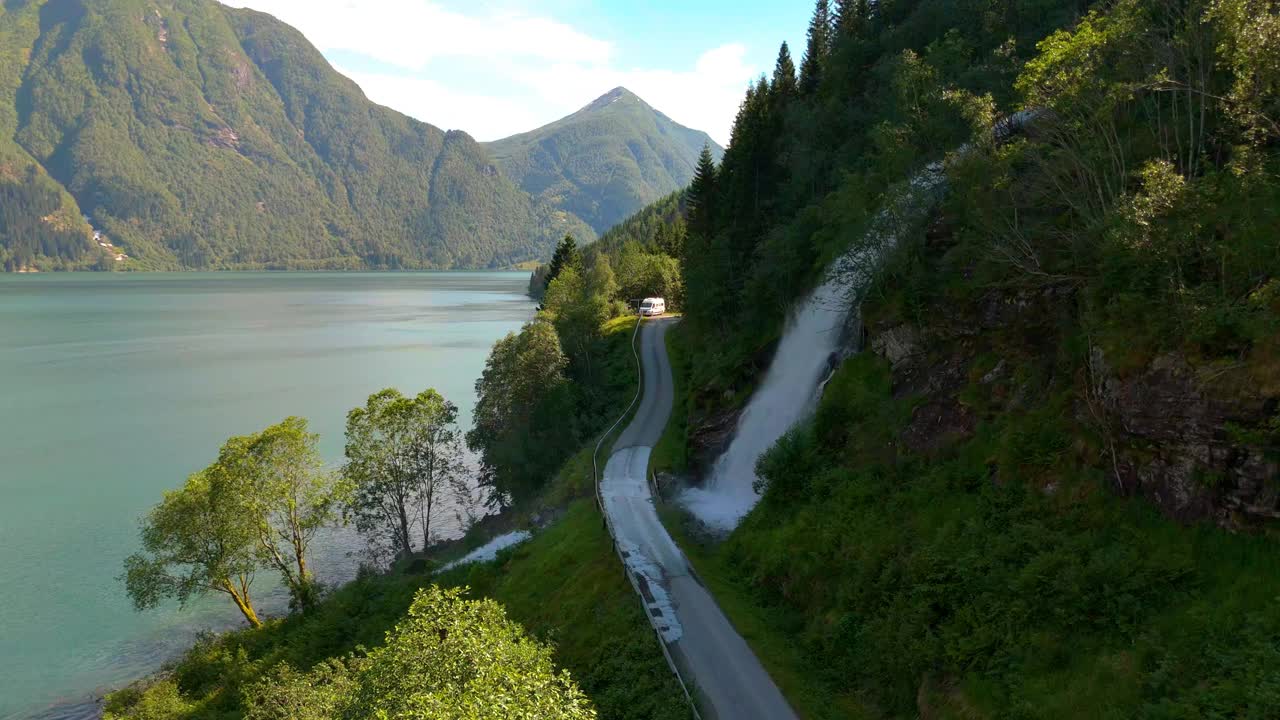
(608, 524)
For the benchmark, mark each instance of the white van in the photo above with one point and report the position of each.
(650, 307)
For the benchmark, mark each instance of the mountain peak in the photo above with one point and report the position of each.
(618, 94)
(605, 161)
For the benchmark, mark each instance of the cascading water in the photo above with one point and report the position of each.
(793, 383)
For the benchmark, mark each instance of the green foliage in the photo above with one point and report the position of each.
(156, 700)
(198, 540)
(559, 381)
(884, 88)
(523, 400)
(604, 162)
(279, 478)
(650, 274)
(645, 251)
(563, 586)
(450, 658)
(658, 228)
(566, 256)
(38, 231)
(201, 136)
(1022, 602)
(257, 506)
(998, 575)
(404, 462)
(578, 306)
(539, 399)
(784, 75)
(818, 49)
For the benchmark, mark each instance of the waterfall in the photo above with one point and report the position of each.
(813, 332)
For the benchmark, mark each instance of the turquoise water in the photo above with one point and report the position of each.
(114, 387)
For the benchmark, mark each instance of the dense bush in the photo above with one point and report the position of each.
(449, 658)
(914, 580)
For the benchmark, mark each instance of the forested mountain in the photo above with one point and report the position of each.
(1041, 476)
(605, 161)
(199, 136)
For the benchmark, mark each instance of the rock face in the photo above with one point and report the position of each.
(1175, 435)
(709, 437)
(1176, 444)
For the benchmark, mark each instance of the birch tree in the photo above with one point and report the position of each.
(404, 465)
(279, 477)
(197, 541)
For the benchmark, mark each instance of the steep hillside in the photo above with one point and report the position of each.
(1041, 477)
(195, 135)
(605, 161)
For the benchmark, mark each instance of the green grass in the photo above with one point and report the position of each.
(671, 452)
(567, 586)
(769, 631)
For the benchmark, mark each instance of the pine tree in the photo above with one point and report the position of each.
(852, 18)
(784, 74)
(700, 197)
(566, 256)
(819, 48)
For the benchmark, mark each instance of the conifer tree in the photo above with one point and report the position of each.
(784, 74)
(700, 197)
(819, 47)
(567, 255)
(851, 18)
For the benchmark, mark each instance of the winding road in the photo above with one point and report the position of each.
(725, 674)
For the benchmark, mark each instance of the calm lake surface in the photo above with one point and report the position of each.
(114, 387)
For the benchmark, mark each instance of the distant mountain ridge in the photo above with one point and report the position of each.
(606, 161)
(195, 135)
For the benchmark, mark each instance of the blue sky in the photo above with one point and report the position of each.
(498, 67)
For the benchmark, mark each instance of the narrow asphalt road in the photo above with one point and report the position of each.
(711, 654)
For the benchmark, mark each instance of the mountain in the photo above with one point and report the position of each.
(605, 161)
(193, 135)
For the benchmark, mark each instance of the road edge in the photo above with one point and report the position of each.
(608, 524)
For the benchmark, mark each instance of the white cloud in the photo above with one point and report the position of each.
(485, 117)
(411, 33)
(542, 69)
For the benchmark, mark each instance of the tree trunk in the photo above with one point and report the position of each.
(299, 552)
(242, 602)
(302, 566)
(406, 544)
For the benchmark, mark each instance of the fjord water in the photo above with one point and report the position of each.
(114, 387)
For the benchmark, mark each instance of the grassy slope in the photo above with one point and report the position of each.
(671, 452)
(566, 586)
